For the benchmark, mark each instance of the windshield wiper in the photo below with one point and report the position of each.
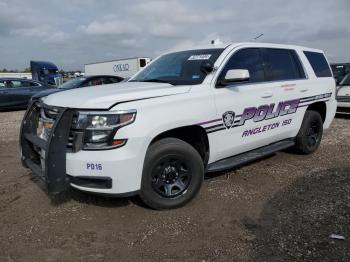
(156, 80)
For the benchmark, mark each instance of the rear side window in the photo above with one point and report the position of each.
(17, 84)
(249, 59)
(282, 64)
(2, 84)
(319, 64)
(111, 80)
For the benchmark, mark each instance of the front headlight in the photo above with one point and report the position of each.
(101, 127)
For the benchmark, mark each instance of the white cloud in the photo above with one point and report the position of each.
(110, 27)
(90, 30)
(165, 30)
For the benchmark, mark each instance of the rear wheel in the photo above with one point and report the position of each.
(172, 175)
(310, 133)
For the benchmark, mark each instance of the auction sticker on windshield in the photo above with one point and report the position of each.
(200, 57)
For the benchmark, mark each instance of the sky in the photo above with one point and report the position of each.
(71, 33)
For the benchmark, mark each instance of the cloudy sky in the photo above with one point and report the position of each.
(71, 33)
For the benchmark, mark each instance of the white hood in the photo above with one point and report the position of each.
(104, 96)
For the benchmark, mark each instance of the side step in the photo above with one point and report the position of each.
(249, 156)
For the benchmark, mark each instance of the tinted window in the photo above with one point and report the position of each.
(115, 80)
(249, 59)
(281, 64)
(142, 62)
(33, 84)
(345, 81)
(319, 64)
(73, 83)
(110, 80)
(94, 82)
(17, 84)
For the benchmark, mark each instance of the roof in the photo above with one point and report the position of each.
(45, 64)
(257, 44)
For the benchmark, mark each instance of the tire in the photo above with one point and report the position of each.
(310, 134)
(172, 174)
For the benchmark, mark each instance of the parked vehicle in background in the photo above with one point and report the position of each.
(340, 70)
(46, 72)
(343, 95)
(15, 93)
(80, 82)
(122, 67)
(188, 112)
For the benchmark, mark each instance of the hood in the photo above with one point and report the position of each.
(105, 96)
(47, 92)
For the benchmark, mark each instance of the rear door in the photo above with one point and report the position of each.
(284, 69)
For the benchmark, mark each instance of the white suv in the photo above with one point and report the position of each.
(188, 112)
(343, 95)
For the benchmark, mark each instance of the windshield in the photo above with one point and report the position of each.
(345, 81)
(74, 83)
(180, 68)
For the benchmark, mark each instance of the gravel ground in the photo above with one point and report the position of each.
(282, 208)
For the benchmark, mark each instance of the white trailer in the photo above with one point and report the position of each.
(16, 75)
(121, 67)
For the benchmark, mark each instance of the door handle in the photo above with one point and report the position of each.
(267, 95)
(304, 90)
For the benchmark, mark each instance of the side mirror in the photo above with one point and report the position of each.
(207, 67)
(237, 75)
(233, 76)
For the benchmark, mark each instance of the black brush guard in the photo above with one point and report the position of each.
(49, 165)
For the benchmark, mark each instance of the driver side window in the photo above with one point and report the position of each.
(249, 59)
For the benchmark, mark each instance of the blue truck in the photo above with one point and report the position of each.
(45, 72)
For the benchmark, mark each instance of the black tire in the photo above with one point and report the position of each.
(310, 134)
(171, 165)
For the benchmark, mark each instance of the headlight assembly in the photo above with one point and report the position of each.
(100, 128)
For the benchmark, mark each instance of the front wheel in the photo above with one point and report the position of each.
(172, 174)
(310, 133)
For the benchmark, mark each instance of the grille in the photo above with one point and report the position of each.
(50, 114)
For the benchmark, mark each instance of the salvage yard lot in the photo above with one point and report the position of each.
(284, 207)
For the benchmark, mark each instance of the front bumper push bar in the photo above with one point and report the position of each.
(46, 158)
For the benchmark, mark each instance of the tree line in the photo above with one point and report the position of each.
(5, 70)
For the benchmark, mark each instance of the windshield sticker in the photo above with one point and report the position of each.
(195, 77)
(200, 57)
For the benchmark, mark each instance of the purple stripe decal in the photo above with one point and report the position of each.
(211, 121)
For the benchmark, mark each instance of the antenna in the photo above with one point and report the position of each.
(257, 37)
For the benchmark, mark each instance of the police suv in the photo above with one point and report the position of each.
(186, 113)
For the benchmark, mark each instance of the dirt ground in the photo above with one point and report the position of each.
(282, 208)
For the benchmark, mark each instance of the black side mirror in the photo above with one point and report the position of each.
(207, 66)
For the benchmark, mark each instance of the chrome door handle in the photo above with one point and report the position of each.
(267, 95)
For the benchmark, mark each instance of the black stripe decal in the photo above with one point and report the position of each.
(211, 127)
